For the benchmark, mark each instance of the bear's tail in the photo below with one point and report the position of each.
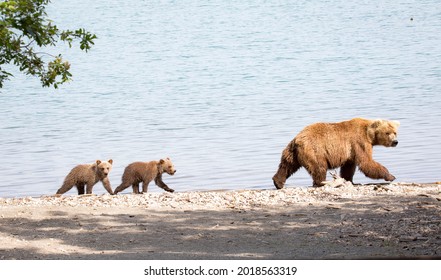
(288, 165)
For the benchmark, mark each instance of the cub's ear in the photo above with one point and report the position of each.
(395, 123)
(110, 161)
(98, 162)
(161, 161)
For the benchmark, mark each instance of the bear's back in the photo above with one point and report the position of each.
(84, 172)
(141, 169)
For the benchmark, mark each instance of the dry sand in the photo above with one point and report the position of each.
(399, 220)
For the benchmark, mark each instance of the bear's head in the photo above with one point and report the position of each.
(383, 132)
(104, 167)
(167, 166)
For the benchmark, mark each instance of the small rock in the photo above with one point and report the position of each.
(407, 238)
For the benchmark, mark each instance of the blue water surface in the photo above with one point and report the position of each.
(221, 87)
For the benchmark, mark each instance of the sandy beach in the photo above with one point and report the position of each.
(378, 221)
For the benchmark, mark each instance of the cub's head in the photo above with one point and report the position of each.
(104, 167)
(383, 132)
(167, 166)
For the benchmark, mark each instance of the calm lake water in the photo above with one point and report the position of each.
(221, 87)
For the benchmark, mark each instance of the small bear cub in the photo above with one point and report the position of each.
(145, 172)
(87, 175)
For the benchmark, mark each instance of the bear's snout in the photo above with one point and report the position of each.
(394, 143)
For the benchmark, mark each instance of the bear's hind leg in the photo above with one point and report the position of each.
(67, 185)
(347, 171)
(135, 187)
(121, 187)
(80, 188)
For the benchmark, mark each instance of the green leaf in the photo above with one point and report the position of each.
(24, 25)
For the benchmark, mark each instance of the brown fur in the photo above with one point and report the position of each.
(145, 172)
(88, 175)
(347, 144)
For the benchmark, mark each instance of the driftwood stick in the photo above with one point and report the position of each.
(337, 181)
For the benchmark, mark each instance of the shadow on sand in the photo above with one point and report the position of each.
(389, 227)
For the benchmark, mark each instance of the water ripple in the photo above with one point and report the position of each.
(222, 87)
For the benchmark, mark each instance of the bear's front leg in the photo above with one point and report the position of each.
(106, 184)
(145, 186)
(369, 166)
(318, 174)
(89, 187)
(390, 178)
(374, 170)
(162, 185)
(347, 171)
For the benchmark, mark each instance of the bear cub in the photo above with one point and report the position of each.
(145, 172)
(348, 145)
(87, 175)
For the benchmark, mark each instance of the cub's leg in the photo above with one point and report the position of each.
(67, 185)
(145, 186)
(106, 184)
(162, 185)
(135, 187)
(89, 186)
(80, 187)
(121, 187)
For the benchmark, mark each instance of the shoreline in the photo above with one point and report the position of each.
(220, 197)
(72, 194)
(372, 221)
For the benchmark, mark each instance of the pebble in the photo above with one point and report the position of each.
(241, 199)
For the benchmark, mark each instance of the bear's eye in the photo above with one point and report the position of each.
(169, 166)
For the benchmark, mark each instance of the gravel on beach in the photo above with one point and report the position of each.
(374, 221)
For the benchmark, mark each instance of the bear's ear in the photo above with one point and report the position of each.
(98, 162)
(372, 129)
(395, 123)
(161, 161)
(110, 161)
(376, 123)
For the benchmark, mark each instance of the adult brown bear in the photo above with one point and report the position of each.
(348, 144)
